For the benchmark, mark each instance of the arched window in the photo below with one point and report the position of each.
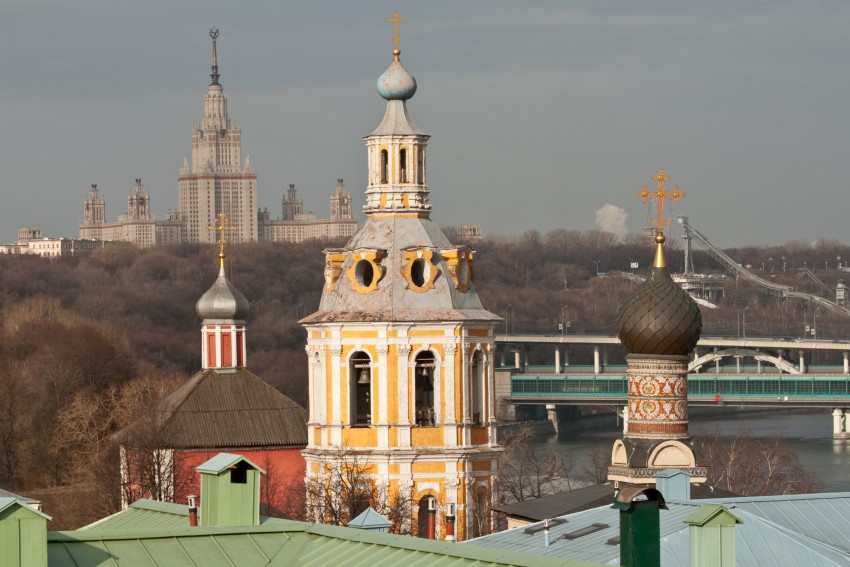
(422, 517)
(480, 515)
(476, 387)
(420, 167)
(402, 164)
(384, 166)
(423, 376)
(360, 389)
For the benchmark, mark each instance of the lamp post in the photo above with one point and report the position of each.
(563, 321)
(506, 316)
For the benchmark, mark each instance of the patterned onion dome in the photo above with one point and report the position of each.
(223, 301)
(659, 318)
(396, 83)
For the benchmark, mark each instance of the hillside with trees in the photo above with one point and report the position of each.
(88, 343)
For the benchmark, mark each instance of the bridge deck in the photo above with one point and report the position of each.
(826, 390)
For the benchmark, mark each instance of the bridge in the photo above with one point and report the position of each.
(741, 372)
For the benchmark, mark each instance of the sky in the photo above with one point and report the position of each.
(542, 115)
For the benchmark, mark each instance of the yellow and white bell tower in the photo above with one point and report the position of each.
(401, 349)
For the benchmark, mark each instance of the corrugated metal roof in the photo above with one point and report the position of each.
(292, 543)
(583, 499)
(144, 514)
(224, 461)
(9, 502)
(761, 539)
(221, 408)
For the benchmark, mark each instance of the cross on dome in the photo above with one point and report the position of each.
(659, 195)
(222, 225)
(396, 20)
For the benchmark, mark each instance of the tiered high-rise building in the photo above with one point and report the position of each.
(216, 181)
(401, 350)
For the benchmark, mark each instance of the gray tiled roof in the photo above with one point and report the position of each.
(225, 408)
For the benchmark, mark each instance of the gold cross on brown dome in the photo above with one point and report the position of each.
(659, 195)
(222, 225)
(396, 20)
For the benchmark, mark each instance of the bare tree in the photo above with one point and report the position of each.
(526, 472)
(754, 467)
(345, 488)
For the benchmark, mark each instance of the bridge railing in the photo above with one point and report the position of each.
(555, 386)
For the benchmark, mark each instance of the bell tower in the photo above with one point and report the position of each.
(401, 350)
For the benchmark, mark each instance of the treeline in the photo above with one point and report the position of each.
(88, 343)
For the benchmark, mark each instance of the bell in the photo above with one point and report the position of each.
(363, 378)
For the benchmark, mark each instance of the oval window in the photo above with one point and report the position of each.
(365, 273)
(418, 273)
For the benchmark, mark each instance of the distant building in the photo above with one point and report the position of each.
(296, 226)
(216, 181)
(31, 242)
(137, 226)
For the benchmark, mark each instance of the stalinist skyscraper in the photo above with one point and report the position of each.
(216, 182)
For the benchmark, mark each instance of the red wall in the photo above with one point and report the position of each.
(281, 488)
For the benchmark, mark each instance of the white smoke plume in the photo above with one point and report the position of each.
(611, 218)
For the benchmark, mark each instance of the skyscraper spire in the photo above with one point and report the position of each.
(214, 74)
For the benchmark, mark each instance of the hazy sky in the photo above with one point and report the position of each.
(540, 113)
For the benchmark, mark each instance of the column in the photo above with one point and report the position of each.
(758, 364)
(717, 362)
(846, 362)
(552, 414)
(625, 419)
(403, 364)
(596, 364)
(802, 361)
(557, 360)
(837, 423)
(845, 432)
(516, 359)
(383, 397)
(737, 364)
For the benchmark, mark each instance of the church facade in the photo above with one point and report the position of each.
(401, 376)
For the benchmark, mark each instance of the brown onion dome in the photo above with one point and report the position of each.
(659, 318)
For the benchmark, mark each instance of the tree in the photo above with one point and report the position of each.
(526, 472)
(344, 488)
(752, 466)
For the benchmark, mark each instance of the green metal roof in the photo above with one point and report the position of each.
(285, 544)
(144, 514)
(8, 502)
(708, 512)
(224, 461)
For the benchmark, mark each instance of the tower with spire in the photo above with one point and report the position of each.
(659, 325)
(401, 350)
(216, 181)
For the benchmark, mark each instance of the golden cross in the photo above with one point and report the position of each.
(660, 194)
(221, 225)
(396, 19)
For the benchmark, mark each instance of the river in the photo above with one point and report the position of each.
(809, 434)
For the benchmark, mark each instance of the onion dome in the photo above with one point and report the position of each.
(396, 83)
(223, 301)
(659, 318)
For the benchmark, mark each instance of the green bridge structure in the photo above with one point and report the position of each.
(739, 372)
